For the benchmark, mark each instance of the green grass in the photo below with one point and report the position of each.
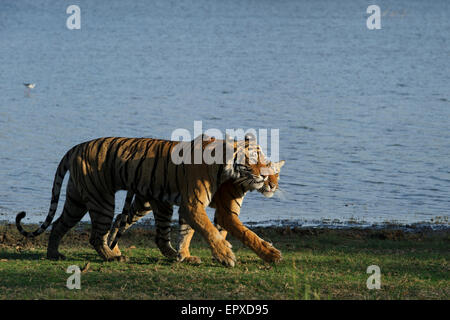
(317, 264)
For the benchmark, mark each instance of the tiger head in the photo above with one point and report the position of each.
(255, 172)
(262, 177)
(248, 166)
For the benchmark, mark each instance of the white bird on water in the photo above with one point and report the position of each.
(30, 85)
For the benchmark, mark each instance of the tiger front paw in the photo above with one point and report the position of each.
(269, 253)
(166, 249)
(222, 252)
(190, 259)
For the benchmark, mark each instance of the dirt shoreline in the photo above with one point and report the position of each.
(9, 236)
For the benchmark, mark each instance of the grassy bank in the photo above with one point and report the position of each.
(317, 264)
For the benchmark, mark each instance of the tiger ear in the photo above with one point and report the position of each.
(277, 165)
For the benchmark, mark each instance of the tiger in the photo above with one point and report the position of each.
(227, 201)
(101, 167)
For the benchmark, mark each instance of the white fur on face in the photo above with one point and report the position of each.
(275, 167)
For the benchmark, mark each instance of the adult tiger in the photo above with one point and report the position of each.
(227, 201)
(101, 167)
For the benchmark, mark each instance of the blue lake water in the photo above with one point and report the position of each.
(364, 115)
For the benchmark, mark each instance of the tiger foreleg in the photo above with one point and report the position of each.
(131, 214)
(98, 240)
(101, 217)
(120, 222)
(262, 248)
(197, 218)
(112, 235)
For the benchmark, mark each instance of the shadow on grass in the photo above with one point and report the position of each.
(22, 255)
(86, 256)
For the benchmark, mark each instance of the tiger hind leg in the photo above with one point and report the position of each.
(73, 212)
(163, 219)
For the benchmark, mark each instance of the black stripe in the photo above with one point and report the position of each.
(138, 167)
(196, 197)
(234, 196)
(166, 184)
(99, 147)
(133, 149)
(112, 170)
(100, 194)
(177, 183)
(155, 163)
(228, 209)
(113, 159)
(127, 204)
(206, 190)
(219, 174)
